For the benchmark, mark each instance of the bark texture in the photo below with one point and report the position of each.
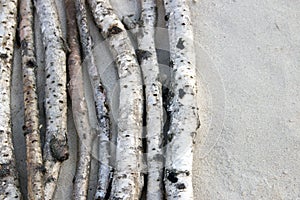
(35, 167)
(153, 92)
(9, 187)
(79, 106)
(128, 178)
(184, 121)
(56, 147)
(99, 93)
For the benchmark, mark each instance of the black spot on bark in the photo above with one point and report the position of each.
(41, 168)
(4, 170)
(3, 55)
(167, 16)
(158, 158)
(50, 179)
(113, 30)
(171, 64)
(31, 63)
(181, 93)
(172, 176)
(59, 148)
(180, 186)
(142, 55)
(180, 44)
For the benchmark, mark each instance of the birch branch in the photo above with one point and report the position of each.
(153, 90)
(56, 148)
(79, 106)
(99, 93)
(9, 187)
(128, 178)
(184, 121)
(35, 167)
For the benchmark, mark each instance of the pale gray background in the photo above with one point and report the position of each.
(248, 58)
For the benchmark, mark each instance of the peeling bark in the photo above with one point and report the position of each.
(153, 91)
(35, 167)
(79, 106)
(56, 147)
(128, 178)
(9, 187)
(102, 111)
(184, 122)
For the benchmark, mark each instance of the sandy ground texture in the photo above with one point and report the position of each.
(248, 58)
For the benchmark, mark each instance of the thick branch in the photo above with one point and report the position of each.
(128, 178)
(8, 174)
(183, 107)
(153, 91)
(56, 148)
(35, 184)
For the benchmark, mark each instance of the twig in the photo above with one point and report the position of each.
(99, 93)
(153, 91)
(79, 106)
(128, 178)
(8, 174)
(56, 148)
(183, 107)
(35, 184)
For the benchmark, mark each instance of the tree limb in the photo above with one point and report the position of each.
(35, 167)
(56, 147)
(183, 107)
(128, 178)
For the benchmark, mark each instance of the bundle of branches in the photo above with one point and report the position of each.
(55, 147)
(79, 106)
(8, 176)
(35, 183)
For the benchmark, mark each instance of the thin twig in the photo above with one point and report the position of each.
(35, 168)
(184, 121)
(56, 147)
(79, 106)
(99, 93)
(128, 177)
(8, 173)
(153, 91)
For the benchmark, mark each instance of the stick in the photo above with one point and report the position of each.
(183, 107)
(9, 187)
(149, 64)
(56, 148)
(99, 93)
(79, 106)
(35, 167)
(128, 178)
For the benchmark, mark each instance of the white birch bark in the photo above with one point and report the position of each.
(35, 167)
(9, 186)
(153, 91)
(128, 178)
(55, 148)
(184, 121)
(99, 93)
(79, 106)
